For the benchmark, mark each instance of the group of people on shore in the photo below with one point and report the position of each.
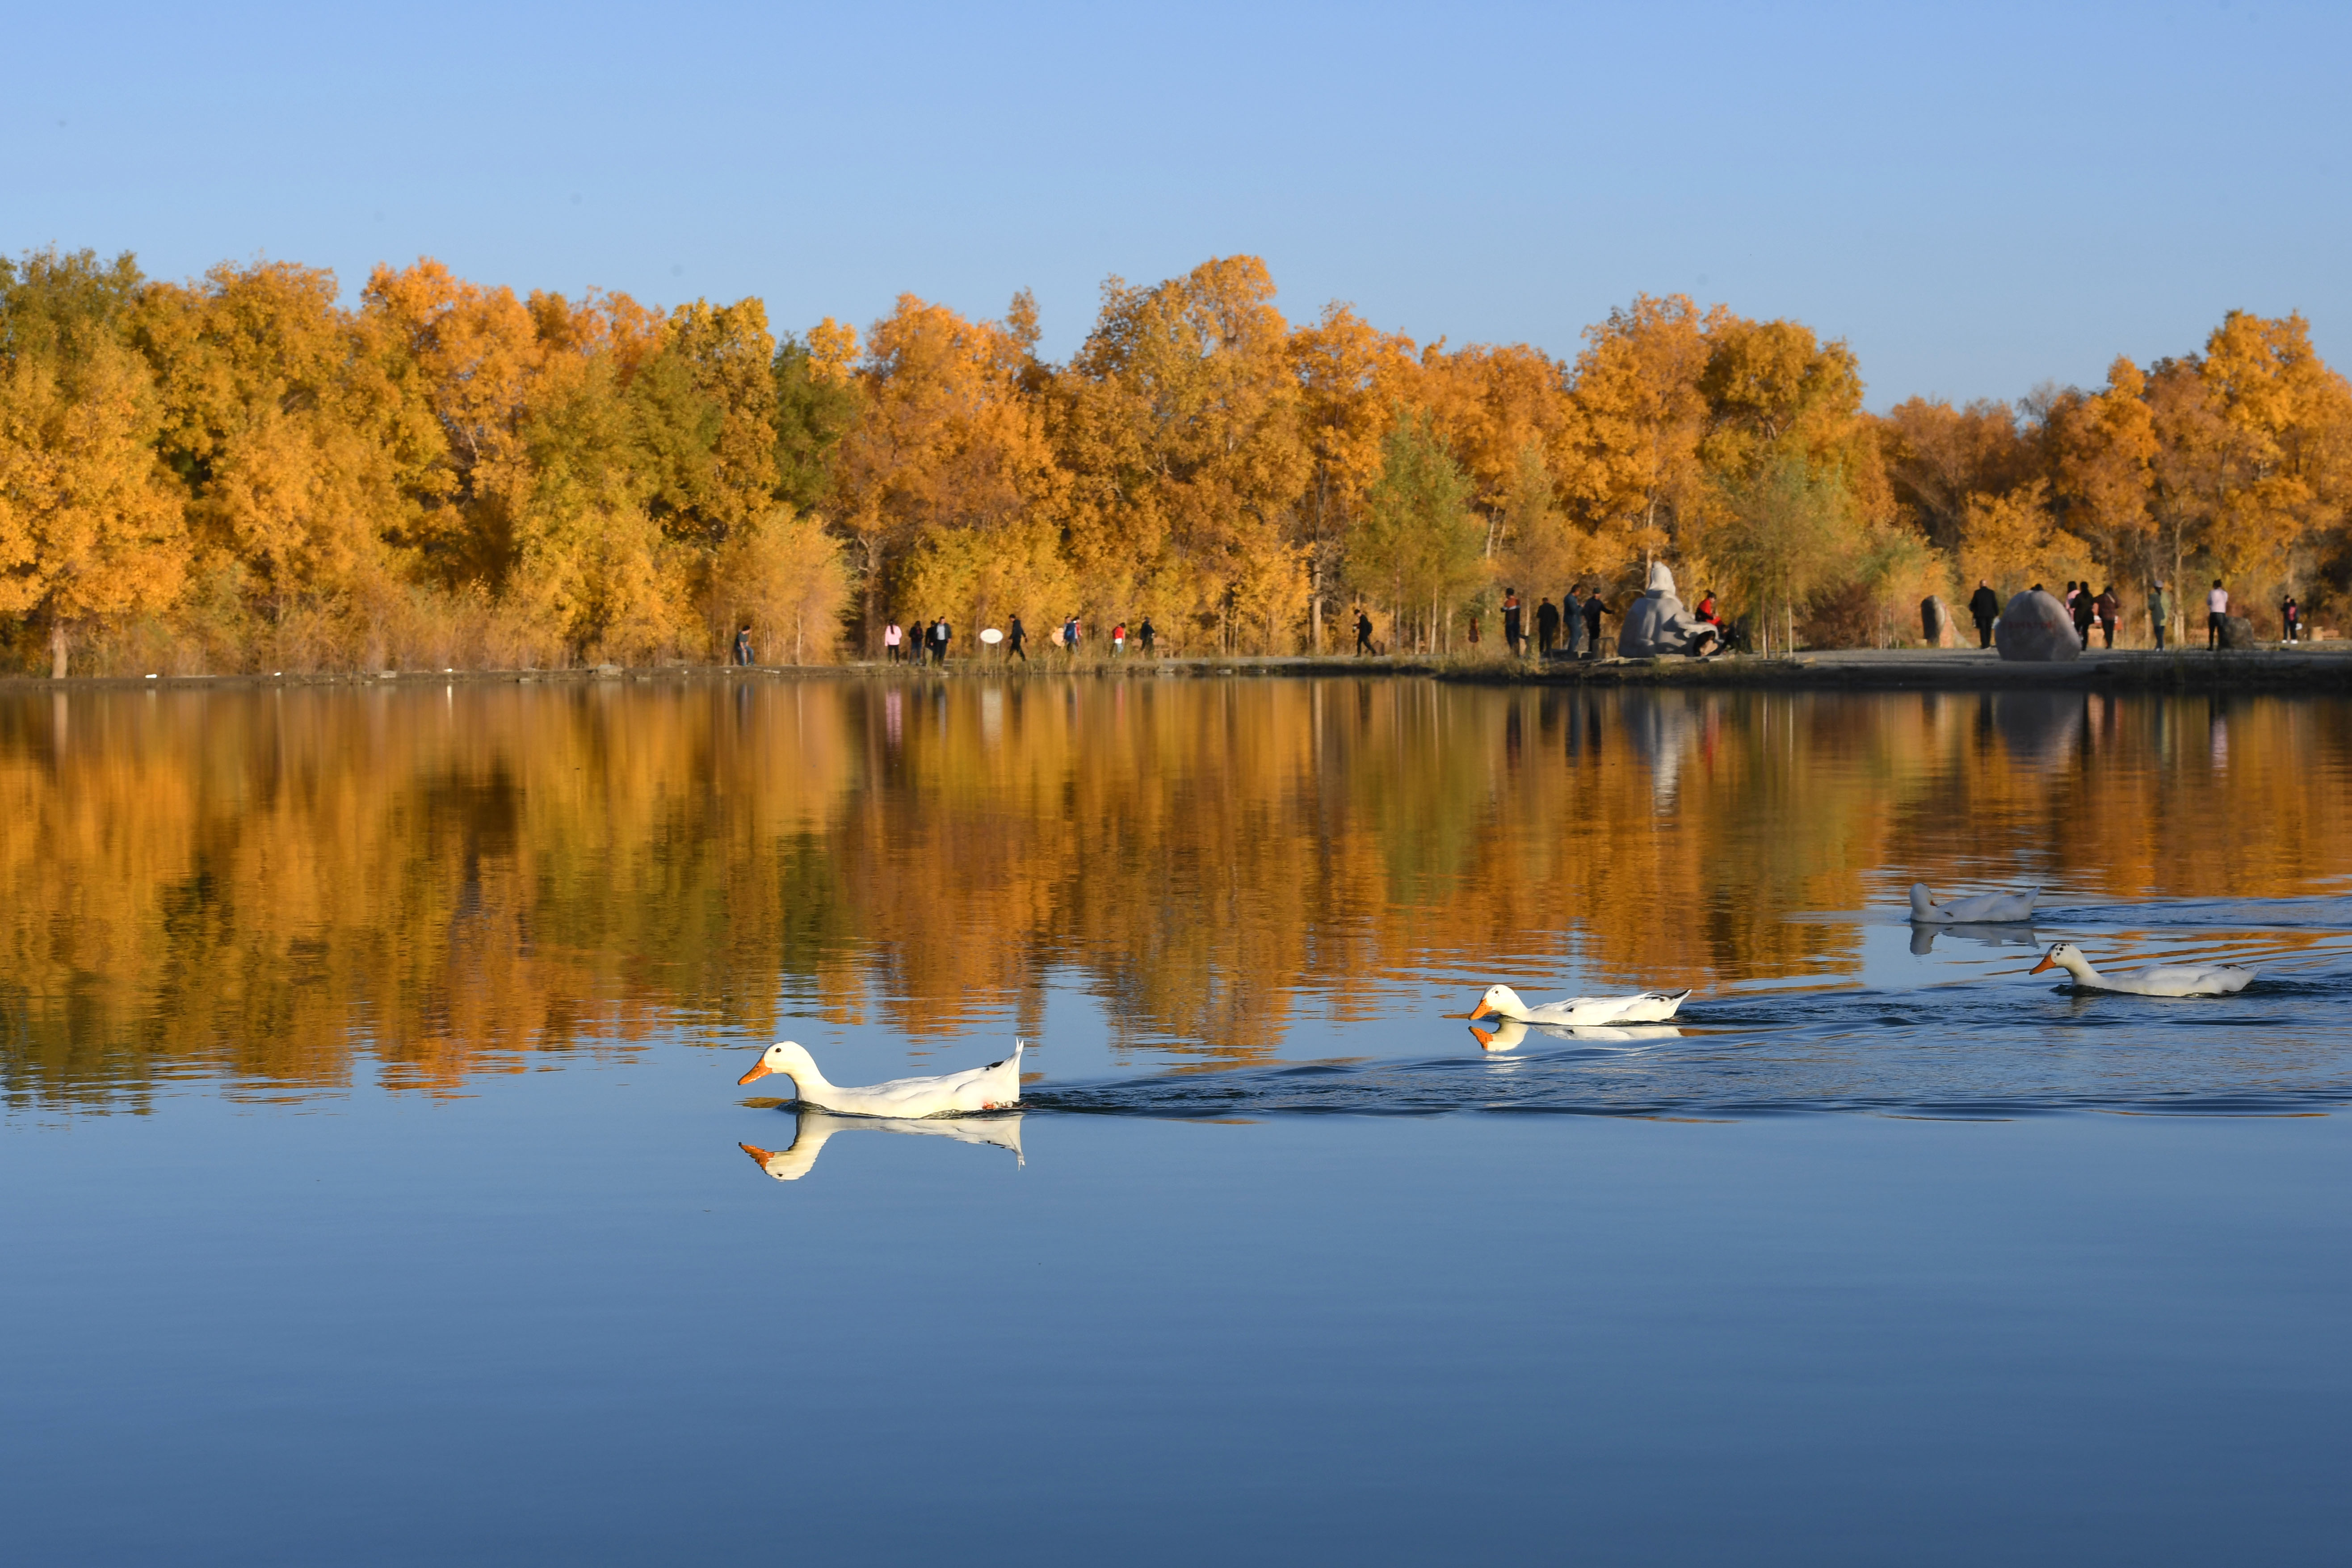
(2105, 608)
(933, 640)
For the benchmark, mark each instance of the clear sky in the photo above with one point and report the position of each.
(1978, 198)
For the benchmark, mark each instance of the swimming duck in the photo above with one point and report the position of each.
(812, 1128)
(2158, 980)
(991, 1087)
(1643, 1007)
(1985, 909)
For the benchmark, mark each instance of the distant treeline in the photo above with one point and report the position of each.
(241, 473)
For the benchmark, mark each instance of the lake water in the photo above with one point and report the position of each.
(376, 1189)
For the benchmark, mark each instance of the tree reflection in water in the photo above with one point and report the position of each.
(289, 888)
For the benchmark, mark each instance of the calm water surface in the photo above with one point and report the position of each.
(374, 1188)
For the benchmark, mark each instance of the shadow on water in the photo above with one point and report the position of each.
(812, 1128)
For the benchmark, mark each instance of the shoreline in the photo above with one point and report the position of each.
(2261, 669)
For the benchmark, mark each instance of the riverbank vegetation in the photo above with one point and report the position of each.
(243, 472)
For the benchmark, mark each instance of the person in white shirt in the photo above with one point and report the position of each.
(2217, 610)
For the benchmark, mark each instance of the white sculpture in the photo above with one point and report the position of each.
(1656, 622)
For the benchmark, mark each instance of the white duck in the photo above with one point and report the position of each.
(1643, 1007)
(812, 1128)
(991, 1087)
(1985, 909)
(2158, 980)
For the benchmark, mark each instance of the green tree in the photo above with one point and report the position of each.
(1417, 543)
(1783, 531)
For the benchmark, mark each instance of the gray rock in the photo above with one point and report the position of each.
(2037, 629)
(1936, 622)
(2237, 631)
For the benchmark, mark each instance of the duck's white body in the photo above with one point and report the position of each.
(812, 1128)
(1985, 909)
(991, 1087)
(1643, 1007)
(2159, 980)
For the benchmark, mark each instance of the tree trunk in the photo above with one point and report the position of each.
(57, 649)
(873, 597)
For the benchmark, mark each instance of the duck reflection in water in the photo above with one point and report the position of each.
(813, 1127)
(2011, 934)
(1509, 1033)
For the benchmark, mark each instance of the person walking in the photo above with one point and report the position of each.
(891, 635)
(2290, 620)
(1070, 635)
(1015, 636)
(2084, 612)
(743, 654)
(938, 640)
(1117, 638)
(1145, 635)
(2159, 612)
(1984, 608)
(1546, 628)
(1513, 632)
(1571, 620)
(1474, 628)
(2106, 603)
(1363, 632)
(2217, 611)
(1593, 610)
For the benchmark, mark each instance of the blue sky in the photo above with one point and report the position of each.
(1978, 199)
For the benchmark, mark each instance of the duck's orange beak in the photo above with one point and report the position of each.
(1480, 1011)
(2045, 963)
(759, 1154)
(760, 1069)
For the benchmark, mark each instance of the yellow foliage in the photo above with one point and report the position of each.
(2013, 541)
(782, 576)
(89, 528)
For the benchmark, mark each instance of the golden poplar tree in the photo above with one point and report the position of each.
(90, 526)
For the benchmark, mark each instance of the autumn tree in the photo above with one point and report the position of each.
(943, 441)
(1938, 456)
(1179, 426)
(1350, 377)
(90, 526)
(1631, 465)
(2101, 446)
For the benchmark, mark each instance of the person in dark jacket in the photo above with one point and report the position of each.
(1146, 633)
(2085, 612)
(743, 648)
(1363, 632)
(1014, 636)
(1594, 611)
(1514, 632)
(1546, 628)
(1984, 606)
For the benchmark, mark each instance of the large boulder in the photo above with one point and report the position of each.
(2237, 631)
(1656, 623)
(1936, 622)
(2037, 629)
